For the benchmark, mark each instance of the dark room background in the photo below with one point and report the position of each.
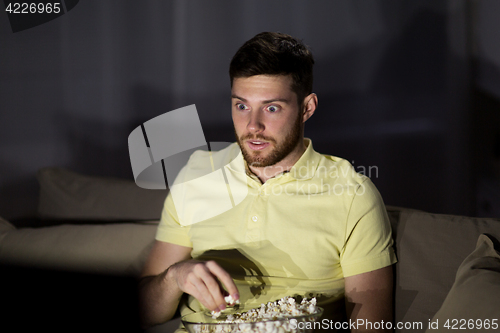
(409, 90)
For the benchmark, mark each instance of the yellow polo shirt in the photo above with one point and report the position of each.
(299, 233)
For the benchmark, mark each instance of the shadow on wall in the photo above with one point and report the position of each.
(100, 147)
(96, 147)
(398, 118)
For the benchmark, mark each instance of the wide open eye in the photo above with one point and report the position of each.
(272, 108)
(240, 106)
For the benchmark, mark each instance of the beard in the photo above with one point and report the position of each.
(280, 150)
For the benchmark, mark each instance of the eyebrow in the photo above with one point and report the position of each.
(284, 100)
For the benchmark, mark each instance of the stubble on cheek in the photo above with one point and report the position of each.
(279, 151)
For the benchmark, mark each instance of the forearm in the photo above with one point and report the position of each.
(369, 300)
(169, 273)
(370, 320)
(159, 297)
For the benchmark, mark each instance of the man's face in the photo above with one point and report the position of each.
(266, 118)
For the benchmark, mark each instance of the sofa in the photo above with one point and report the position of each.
(447, 275)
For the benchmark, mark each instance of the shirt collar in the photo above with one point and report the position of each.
(307, 164)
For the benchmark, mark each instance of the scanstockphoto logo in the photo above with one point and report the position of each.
(28, 14)
(161, 147)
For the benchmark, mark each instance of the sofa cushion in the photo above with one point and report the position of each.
(119, 248)
(430, 248)
(6, 225)
(473, 302)
(68, 195)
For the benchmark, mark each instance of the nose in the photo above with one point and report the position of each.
(255, 123)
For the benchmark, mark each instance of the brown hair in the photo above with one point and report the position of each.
(274, 53)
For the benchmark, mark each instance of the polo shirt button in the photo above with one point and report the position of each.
(254, 218)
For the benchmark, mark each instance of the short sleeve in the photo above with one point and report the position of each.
(169, 229)
(368, 237)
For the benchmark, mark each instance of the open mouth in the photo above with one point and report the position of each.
(257, 144)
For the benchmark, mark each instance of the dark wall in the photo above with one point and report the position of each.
(393, 80)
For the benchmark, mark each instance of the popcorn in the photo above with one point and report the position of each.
(229, 301)
(215, 314)
(264, 318)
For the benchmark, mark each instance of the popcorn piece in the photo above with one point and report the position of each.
(215, 314)
(231, 301)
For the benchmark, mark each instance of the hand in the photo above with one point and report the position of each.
(204, 281)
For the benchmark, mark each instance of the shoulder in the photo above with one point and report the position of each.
(339, 170)
(346, 180)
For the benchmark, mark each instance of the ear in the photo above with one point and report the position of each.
(309, 106)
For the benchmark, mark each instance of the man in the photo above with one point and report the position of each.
(309, 225)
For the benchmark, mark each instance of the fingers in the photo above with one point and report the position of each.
(204, 288)
(225, 278)
(203, 281)
(210, 288)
